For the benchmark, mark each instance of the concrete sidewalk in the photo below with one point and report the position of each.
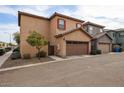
(4, 57)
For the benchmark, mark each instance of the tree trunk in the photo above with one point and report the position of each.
(38, 53)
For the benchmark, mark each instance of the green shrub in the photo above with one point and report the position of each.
(2, 51)
(26, 56)
(15, 55)
(41, 54)
(93, 52)
(98, 51)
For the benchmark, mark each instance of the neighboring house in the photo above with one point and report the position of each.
(117, 35)
(3, 44)
(64, 33)
(92, 28)
(101, 40)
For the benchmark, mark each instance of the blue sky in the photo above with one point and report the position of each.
(110, 16)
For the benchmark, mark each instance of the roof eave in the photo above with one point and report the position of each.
(65, 16)
(28, 14)
(89, 23)
(60, 35)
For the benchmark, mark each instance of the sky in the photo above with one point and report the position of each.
(111, 16)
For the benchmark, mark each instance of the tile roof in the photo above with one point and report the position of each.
(90, 23)
(98, 35)
(41, 17)
(67, 32)
(65, 16)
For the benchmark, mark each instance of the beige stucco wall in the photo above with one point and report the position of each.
(61, 47)
(70, 24)
(28, 24)
(74, 36)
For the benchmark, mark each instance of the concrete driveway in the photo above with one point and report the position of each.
(103, 70)
(4, 57)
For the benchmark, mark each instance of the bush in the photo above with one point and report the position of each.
(26, 56)
(98, 51)
(7, 49)
(41, 54)
(95, 52)
(2, 51)
(15, 55)
(16, 49)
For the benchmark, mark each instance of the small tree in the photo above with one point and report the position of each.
(37, 40)
(17, 37)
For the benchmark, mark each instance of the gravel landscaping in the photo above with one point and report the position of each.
(20, 62)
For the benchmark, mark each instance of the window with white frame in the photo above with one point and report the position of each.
(90, 28)
(121, 34)
(78, 25)
(101, 30)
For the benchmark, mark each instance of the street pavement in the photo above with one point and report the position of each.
(105, 70)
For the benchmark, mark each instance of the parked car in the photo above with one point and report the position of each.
(16, 49)
(7, 49)
(2, 51)
(16, 53)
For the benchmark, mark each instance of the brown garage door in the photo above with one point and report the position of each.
(104, 47)
(76, 48)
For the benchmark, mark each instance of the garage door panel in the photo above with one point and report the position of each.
(76, 48)
(104, 47)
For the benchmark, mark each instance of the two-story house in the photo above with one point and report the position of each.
(3, 44)
(118, 37)
(101, 40)
(64, 33)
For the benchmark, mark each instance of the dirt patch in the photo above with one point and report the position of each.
(20, 62)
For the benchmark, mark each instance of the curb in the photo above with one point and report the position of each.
(36, 64)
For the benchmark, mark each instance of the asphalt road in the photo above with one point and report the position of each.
(104, 70)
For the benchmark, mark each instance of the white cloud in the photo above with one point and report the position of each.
(7, 10)
(6, 30)
(10, 27)
(113, 16)
(38, 10)
(109, 16)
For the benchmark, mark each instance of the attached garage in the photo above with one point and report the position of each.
(103, 42)
(104, 47)
(76, 48)
(73, 42)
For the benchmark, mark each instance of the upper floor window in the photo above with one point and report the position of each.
(90, 28)
(61, 24)
(121, 34)
(101, 30)
(78, 25)
(90, 31)
(113, 34)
